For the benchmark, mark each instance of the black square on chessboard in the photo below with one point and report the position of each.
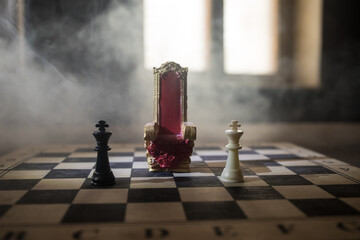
(212, 210)
(217, 170)
(80, 159)
(154, 195)
(53, 154)
(120, 154)
(244, 170)
(207, 148)
(241, 152)
(323, 207)
(310, 170)
(261, 163)
(21, 184)
(198, 182)
(282, 156)
(147, 173)
(120, 164)
(48, 196)
(4, 208)
(254, 193)
(68, 173)
(348, 190)
(263, 147)
(92, 213)
(213, 157)
(281, 180)
(139, 159)
(35, 166)
(119, 183)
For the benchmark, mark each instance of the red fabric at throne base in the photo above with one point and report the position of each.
(169, 153)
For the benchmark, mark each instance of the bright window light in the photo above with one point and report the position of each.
(250, 36)
(176, 30)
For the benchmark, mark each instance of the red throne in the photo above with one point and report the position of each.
(169, 139)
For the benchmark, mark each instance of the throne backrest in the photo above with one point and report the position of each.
(170, 98)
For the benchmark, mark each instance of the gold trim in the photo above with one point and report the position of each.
(188, 130)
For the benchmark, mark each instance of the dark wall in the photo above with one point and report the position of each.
(338, 98)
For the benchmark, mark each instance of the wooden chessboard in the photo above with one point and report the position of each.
(289, 192)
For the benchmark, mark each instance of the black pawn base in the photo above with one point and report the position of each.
(103, 179)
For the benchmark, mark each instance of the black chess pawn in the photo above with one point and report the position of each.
(103, 174)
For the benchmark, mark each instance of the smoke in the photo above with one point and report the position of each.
(73, 73)
(51, 90)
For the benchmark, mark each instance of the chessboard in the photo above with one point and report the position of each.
(288, 192)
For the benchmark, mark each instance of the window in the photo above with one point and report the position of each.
(174, 30)
(271, 41)
(250, 36)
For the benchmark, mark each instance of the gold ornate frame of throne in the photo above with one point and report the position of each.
(151, 130)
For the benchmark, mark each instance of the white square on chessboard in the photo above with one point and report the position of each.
(279, 208)
(196, 172)
(142, 165)
(45, 160)
(99, 196)
(34, 214)
(272, 151)
(204, 194)
(296, 162)
(249, 181)
(83, 155)
(252, 157)
(195, 158)
(327, 179)
(59, 184)
(121, 159)
(118, 172)
(25, 174)
(140, 153)
(75, 165)
(302, 192)
(155, 212)
(211, 152)
(11, 197)
(331, 162)
(152, 182)
(216, 163)
(272, 170)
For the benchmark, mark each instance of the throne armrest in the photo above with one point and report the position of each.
(188, 130)
(151, 131)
